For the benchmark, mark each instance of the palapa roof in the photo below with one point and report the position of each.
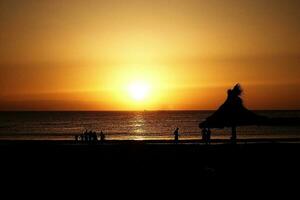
(232, 113)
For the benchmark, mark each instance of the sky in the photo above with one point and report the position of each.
(153, 55)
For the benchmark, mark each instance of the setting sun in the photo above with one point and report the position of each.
(138, 90)
(148, 55)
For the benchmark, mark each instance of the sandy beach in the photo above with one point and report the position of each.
(248, 158)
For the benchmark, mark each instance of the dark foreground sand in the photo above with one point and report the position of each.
(159, 160)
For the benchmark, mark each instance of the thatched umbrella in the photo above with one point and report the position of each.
(232, 114)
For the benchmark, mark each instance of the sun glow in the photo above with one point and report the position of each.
(139, 90)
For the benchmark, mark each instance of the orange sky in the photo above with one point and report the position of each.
(83, 55)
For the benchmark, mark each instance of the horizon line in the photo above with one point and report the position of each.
(146, 110)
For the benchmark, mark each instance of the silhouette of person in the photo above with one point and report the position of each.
(76, 137)
(208, 136)
(102, 136)
(204, 135)
(94, 136)
(176, 134)
(90, 135)
(84, 136)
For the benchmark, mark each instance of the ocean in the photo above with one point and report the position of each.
(144, 125)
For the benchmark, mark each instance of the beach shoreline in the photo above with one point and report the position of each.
(23, 138)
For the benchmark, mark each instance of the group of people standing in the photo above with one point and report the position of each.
(205, 133)
(90, 136)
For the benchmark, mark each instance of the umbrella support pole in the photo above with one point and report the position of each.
(233, 136)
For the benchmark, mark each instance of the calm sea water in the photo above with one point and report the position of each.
(129, 125)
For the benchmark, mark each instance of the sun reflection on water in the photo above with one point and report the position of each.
(138, 123)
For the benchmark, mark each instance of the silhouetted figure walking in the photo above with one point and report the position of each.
(204, 135)
(176, 135)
